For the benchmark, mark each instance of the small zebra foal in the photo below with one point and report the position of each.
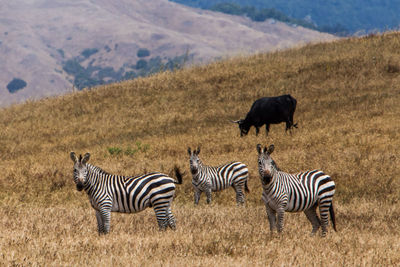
(207, 178)
(304, 191)
(113, 193)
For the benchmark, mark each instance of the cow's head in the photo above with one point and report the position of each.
(243, 127)
(80, 170)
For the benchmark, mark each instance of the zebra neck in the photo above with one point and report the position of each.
(94, 176)
(200, 164)
(272, 179)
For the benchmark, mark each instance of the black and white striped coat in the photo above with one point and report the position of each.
(113, 193)
(304, 191)
(207, 178)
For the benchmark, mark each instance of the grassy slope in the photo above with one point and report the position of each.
(348, 115)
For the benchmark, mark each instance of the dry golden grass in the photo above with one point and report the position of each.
(348, 113)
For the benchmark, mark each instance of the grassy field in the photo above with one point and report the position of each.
(348, 95)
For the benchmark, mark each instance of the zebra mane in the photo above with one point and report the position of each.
(276, 166)
(97, 169)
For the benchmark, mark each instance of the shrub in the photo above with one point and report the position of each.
(129, 75)
(141, 64)
(114, 150)
(61, 52)
(107, 48)
(15, 85)
(89, 51)
(129, 151)
(143, 52)
(73, 67)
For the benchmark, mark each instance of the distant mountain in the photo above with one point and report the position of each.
(328, 15)
(49, 46)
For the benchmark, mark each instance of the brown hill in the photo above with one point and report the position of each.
(348, 115)
(37, 37)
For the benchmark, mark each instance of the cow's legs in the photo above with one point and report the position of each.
(288, 126)
(266, 129)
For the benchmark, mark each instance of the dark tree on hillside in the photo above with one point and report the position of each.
(89, 51)
(141, 64)
(143, 52)
(228, 8)
(15, 85)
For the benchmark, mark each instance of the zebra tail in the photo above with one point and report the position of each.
(178, 175)
(246, 188)
(332, 213)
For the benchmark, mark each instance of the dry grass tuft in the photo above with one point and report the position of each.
(348, 114)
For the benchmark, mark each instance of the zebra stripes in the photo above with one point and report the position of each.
(112, 193)
(304, 191)
(207, 178)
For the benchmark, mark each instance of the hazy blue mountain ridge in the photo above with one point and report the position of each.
(354, 16)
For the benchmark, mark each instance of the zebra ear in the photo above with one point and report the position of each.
(73, 157)
(189, 151)
(259, 149)
(270, 149)
(198, 150)
(85, 158)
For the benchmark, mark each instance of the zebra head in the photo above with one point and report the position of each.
(266, 165)
(194, 161)
(80, 170)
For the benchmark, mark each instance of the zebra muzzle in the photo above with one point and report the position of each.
(266, 177)
(79, 186)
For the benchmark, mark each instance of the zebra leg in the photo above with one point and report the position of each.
(271, 213)
(271, 218)
(197, 194)
(312, 216)
(161, 211)
(240, 199)
(171, 219)
(324, 213)
(104, 216)
(208, 194)
(100, 227)
(281, 213)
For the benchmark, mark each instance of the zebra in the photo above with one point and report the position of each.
(207, 178)
(113, 193)
(304, 191)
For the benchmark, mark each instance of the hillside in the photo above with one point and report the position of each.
(53, 45)
(348, 115)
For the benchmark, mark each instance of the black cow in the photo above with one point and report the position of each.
(269, 110)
